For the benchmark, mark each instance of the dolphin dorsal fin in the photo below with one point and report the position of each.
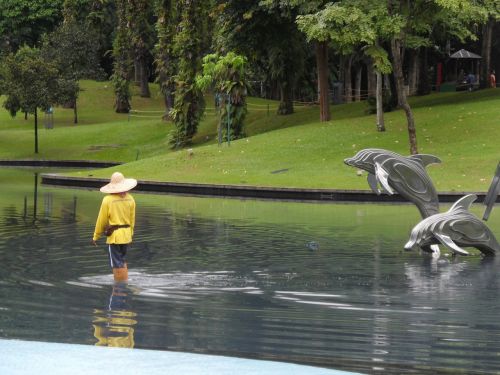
(425, 159)
(464, 203)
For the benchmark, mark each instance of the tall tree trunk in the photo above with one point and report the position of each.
(380, 103)
(390, 84)
(137, 72)
(357, 85)
(413, 72)
(424, 86)
(400, 89)
(143, 78)
(286, 103)
(486, 53)
(165, 62)
(121, 65)
(348, 79)
(322, 66)
(36, 131)
(371, 81)
(169, 98)
(122, 105)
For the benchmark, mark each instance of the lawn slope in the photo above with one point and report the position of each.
(296, 150)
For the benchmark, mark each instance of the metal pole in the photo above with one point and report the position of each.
(228, 121)
(35, 197)
(219, 125)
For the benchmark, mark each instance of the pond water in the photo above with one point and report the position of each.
(322, 284)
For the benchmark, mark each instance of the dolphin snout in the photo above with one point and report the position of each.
(410, 245)
(349, 161)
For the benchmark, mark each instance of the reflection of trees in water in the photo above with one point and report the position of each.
(30, 211)
(68, 210)
(10, 216)
(35, 238)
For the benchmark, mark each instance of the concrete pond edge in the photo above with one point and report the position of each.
(235, 191)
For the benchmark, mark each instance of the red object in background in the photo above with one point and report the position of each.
(439, 75)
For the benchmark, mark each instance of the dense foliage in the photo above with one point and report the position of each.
(122, 63)
(189, 103)
(29, 83)
(317, 51)
(226, 76)
(25, 21)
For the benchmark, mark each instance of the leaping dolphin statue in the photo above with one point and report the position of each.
(454, 229)
(493, 192)
(405, 175)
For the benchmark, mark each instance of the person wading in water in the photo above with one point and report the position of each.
(116, 220)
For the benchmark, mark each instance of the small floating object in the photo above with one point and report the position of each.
(312, 245)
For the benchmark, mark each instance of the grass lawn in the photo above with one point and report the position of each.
(297, 150)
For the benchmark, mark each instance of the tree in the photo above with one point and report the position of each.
(73, 48)
(226, 75)
(492, 9)
(403, 24)
(141, 33)
(121, 65)
(381, 65)
(307, 7)
(29, 83)
(344, 26)
(164, 57)
(24, 21)
(101, 20)
(268, 36)
(418, 18)
(188, 47)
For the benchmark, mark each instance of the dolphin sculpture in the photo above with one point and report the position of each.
(493, 192)
(405, 175)
(454, 229)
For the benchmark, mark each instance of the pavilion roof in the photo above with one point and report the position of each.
(464, 54)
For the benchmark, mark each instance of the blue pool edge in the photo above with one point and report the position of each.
(32, 357)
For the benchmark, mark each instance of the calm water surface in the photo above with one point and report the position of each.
(324, 284)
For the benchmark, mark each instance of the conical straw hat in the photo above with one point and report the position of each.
(119, 184)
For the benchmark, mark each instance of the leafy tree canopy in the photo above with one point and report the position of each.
(74, 49)
(28, 81)
(24, 21)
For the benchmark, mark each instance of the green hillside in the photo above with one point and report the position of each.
(297, 150)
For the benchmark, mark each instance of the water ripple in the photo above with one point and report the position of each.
(322, 284)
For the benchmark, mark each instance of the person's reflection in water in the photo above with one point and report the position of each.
(114, 326)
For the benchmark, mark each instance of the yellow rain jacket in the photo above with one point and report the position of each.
(116, 210)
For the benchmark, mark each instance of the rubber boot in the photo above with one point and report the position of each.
(120, 274)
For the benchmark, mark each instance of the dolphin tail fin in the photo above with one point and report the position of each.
(432, 249)
(464, 203)
(425, 159)
(493, 192)
(382, 177)
(435, 249)
(448, 242)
